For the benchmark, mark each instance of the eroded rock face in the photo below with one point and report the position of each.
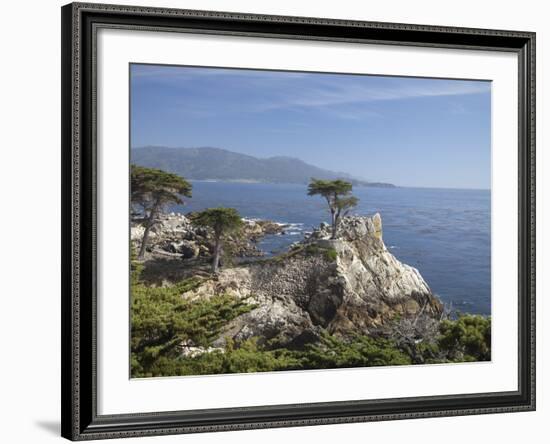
(344, 286)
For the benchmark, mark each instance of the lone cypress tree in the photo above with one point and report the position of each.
(152, 189)
(337, 193)
(222, 221)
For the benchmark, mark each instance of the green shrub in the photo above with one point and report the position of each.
(161, 320)
(331, 254)
(460, 341)
(312, 250)
(360, 351)
(467, 338)
(248, 357)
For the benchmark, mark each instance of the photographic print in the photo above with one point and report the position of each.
(256, 206)
(285, 221)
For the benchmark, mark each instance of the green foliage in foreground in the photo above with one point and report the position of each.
(162, 321)
(467, 338)
(157, 332)
(249, 357)
(359, 351)
(203, 322)
(464, 339)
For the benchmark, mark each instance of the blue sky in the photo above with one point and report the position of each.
(407, 131)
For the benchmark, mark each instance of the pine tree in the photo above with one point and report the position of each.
(338, 196)
(153, 189)
(222, 221)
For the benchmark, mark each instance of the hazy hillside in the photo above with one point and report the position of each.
(220, 164)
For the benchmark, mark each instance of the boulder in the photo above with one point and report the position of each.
(189, 249)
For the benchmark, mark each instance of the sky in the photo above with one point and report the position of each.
(417, 132)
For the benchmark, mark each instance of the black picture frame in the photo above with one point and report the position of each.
(80, 420)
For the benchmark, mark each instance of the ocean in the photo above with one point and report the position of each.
(444, 233)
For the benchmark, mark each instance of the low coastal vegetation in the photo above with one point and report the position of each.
(337, 299)
(164, 323)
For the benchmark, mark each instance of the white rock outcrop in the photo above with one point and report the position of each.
(344, 286)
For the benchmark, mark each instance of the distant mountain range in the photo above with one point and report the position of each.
(223, 165)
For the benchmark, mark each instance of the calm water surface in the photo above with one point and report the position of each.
(444, 233)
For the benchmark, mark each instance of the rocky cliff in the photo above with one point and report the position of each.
(344, 286)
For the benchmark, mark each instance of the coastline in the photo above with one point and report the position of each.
(322, 303)
(443, 233)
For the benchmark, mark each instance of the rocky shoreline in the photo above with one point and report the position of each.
(323, 303)
(352, 285)
(347, 286)
(173, 236)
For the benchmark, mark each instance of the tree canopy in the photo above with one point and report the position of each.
(221, 220)
(337, 193)
(150, 187)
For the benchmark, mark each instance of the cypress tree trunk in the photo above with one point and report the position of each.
(335, 220)
(217, 251)
(144, 240)
(333, 223)
(149, 224)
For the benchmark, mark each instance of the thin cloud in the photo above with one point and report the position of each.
(331, 94)
(199, 91)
